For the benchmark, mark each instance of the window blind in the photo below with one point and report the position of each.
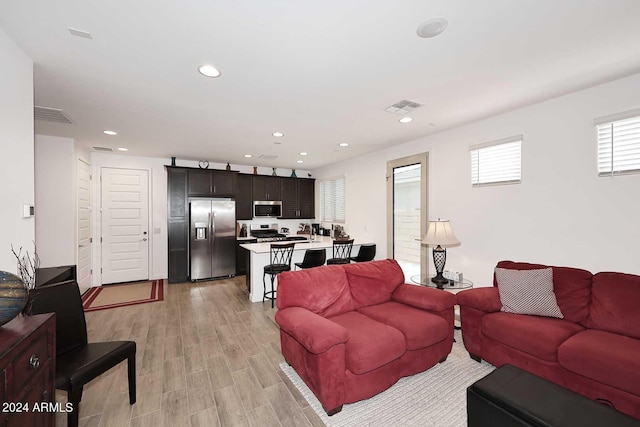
(332, 194)
(619, 146)
(497, 162)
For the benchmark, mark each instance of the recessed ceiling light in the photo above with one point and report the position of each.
(278, 134)
(209, 71)
(432, 27)
(405, 120)
(344, 144)
(303, 153)
(299, 161)
(110, 132)
(122, 149)
(248, 155)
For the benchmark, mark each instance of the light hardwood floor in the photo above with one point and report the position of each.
(206, 357)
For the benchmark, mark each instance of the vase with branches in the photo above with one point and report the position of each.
(28, 265)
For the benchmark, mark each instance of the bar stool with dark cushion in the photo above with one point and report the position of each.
(313, 258)
(279, 261)
(341, 252)
(366, 253)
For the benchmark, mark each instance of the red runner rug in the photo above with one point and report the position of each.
(122, 295)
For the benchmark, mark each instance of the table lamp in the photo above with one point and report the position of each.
(440, 235)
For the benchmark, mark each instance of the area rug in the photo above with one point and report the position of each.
(111, 296)
(435, 398)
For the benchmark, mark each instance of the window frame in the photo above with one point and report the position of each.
(479, 147)
(335, 206)
(610, 121)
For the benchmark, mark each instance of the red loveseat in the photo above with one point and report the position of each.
(351, 331)
(594, 350)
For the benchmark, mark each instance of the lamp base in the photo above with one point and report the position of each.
(439, 259)
(439, 280)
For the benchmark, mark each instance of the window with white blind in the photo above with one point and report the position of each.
(332, 200)
(496, 162)
(619, 143)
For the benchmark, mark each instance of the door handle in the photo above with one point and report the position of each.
(144, 239)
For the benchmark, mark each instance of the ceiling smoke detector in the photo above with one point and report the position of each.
(49, 114)
(403, 107)
(432, 27)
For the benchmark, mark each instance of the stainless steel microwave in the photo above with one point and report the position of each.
(267, 209)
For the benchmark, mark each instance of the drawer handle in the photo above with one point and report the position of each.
(34, 361)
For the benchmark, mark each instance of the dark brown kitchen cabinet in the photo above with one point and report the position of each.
(298, 198)
(178, 224)
(266, 188)
(244, 197)
(242, 256)
(212, 183)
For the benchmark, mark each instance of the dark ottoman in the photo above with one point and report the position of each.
(510, 396)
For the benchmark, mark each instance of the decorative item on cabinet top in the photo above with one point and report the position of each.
(13, 296)
(274, 172)
(203, 164)
(293, 173)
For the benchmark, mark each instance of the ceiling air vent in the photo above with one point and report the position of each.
(110, 150)
(48, 114)
(402, 107)
(267, 156)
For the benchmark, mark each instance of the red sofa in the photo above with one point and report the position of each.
(351, 331)
(594, 350)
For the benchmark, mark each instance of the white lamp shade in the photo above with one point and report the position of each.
(440, 233)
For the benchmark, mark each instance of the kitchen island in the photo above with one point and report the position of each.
(259, 257)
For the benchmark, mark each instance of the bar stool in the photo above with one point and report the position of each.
(366, 253)
(279, 261)
(341, 252)
(312, 258)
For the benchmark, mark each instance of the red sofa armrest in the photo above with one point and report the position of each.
(483, 299)
(315, 333)
(424, 298)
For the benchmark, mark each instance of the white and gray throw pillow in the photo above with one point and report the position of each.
(528, 292)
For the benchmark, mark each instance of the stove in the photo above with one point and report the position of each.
(266, 233)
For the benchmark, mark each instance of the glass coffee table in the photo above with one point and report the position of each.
(452, 285)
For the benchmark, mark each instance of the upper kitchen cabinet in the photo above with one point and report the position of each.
(212, 183)
(298, 198)
(266, 188)
(244, 197)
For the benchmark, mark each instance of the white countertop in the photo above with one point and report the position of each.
(320, 242)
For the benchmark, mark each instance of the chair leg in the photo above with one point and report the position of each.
(131, 365)
(273, 294)
(74, 397)
(264, 286)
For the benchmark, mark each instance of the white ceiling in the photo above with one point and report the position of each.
(322, 72)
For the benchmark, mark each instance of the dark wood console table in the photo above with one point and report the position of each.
(27, 371)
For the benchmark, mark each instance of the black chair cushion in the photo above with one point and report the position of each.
(331, 261)
(276, 268)
(81, 366)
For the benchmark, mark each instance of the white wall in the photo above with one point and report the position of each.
(16, 145)
(561, 214)
(55, 193)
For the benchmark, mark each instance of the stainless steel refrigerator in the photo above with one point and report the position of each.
(212, 242)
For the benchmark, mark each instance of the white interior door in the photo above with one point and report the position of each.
(125, 225)
(84, 225)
